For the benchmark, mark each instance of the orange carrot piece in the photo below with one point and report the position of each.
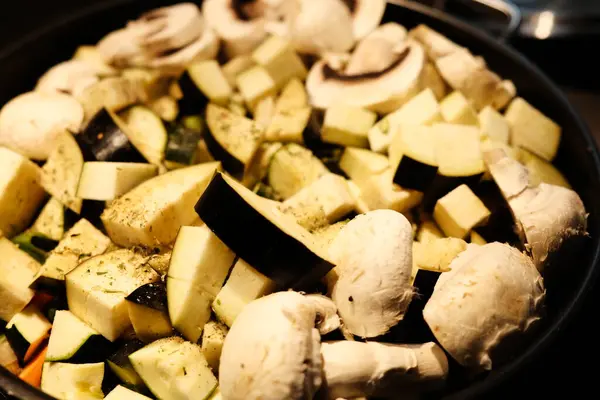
(32, 373)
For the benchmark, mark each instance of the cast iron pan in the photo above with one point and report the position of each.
(25, 61)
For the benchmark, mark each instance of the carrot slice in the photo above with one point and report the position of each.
(32, 373)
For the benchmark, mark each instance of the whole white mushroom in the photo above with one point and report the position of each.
(373, 256)
(491, 293)
(31, 122)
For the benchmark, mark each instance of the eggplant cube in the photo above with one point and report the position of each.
(456, 109)
(359, 164)
(280, 60)
(97, 288)
(212, 342)
(493, 125)
(289, 126)
(17, 272)
(458, 212)
(413, 154)
(379, 192)
(73, 381)
(211, 80)
(20, 191)
(255, 84)
(532, 130)
(348, 126)
(236, 66)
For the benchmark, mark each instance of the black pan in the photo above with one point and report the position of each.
(25, 61)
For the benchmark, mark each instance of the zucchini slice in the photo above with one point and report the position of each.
(292, 168)
(182, 146)
(26, 332)
(148, 312)
(199, 265)
(80, 243)
(152, 213)
(146, 131)
(97, 288)
(244, 285)
(35, 244)
(75, 342)
(122, 393)
(17, 272)
(104, 181)
(174, 369)
(119, 363)
(51, 221)
(114, 94)
(73, 381)
(260, 234)
(231, 138)
(213, 336)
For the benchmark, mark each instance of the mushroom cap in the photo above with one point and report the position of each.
(373, 256)
(239, 36)
(378, 50)
(30, 123)
(122, 47)
(205, 47)
(491, 293)
(272, 351)
(320, 26)
(181, 24)
(71, 77)
(382, 92)
(366, 15)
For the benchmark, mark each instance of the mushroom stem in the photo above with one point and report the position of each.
(547, 217)
(355, 369)
(327, 318)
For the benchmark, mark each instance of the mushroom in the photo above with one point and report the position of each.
(70, 77)
(373, 257)
(168, 38)
(30, 123)
(272, 350)
(470, 75)
(320, 26)
(366, 15)
(548, 217)
(241, 25)
(491, 294)
(436, 45)
(383, 73)
(356, 369)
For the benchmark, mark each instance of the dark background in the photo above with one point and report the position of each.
(569, 367)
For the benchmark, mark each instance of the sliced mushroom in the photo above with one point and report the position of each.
(366, 15)
(464, 72)
(70, 77)
(378, 50)
(491, 294)
(383, 91)
(548, 217)
(272, 351)
(320, 26)
(383, 370)
(168, 38)
(30, 123)
(373, 256)
(436, 45)
(241, 33)
(181, 24)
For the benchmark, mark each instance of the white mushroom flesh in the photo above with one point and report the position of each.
(327, 318)
(373, 256)
(70, 77)
(383, 92)
(378, 50)
(356, 369)
(272, 351)
(366, 15)
(30, 123)
(547, 216)
(491, 293)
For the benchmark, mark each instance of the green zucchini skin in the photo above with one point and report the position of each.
(257, 240)
(95, 349)
(415, 175)
(36, 245)
(103, 140)
(120, 359)
(151, 295)
(182, 144)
